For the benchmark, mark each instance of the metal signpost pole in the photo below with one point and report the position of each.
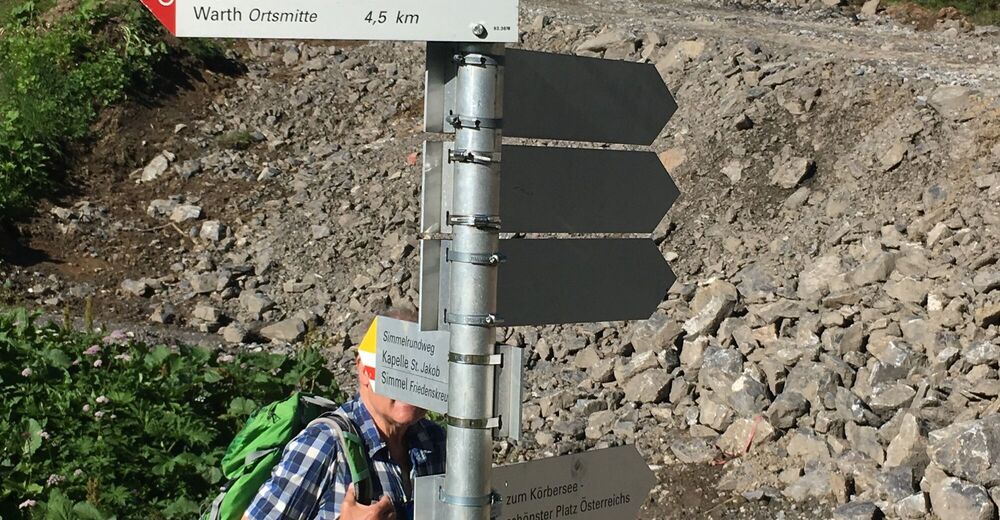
(471, 310)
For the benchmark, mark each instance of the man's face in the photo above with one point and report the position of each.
(389, 410)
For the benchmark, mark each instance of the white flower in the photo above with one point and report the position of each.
(55, 480)
(86, 408)
(26, 372)
(27, 504)
(98, 363)
(102, 400)
(44, 435)
(77, 472)
(98, 414)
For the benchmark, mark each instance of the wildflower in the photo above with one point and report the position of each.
(98, 363)
(98, 414)
(86, 408)
(77, 472)
(102, 400)
(92, 351)
(44, 435)
(226, 358)
(27, 504)
(126, 357)
(117, 337)
(55, 480)
(26, 372)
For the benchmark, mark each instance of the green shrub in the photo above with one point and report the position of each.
(94, 426)
(236, 140)
(54, 80)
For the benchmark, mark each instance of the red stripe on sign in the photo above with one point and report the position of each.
(371, 372)
(165, 11)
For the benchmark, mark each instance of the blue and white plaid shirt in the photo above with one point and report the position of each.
(311, 480)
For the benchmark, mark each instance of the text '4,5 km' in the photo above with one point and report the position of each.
(401, 18)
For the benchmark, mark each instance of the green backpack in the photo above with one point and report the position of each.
(258, 447)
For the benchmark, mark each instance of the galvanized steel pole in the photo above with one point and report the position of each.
(471, 310)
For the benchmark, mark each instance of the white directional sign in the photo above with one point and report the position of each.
(596, 485)
(410, 365)
(426, 20)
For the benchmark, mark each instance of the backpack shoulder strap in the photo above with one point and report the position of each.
(355, 453)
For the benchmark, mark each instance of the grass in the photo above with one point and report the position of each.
(236, 140)
(980, 12)
(14, 9)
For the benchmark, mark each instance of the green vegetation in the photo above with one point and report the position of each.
(236, 140)
(95, 426)
(53, 81)
(980, 12)
(56, 76)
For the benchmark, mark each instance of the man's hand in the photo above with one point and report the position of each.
(350, 509)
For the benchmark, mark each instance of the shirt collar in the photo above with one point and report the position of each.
(417, 438)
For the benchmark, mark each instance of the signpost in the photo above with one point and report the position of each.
(411, 365)
(427, 20)
(474, 282)
(597, 485)
(555, 96)
(560, 190)
(549, 281)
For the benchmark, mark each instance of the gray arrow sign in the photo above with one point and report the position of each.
(561, 190)
(555, 96)
(558, 281)
(605, 484)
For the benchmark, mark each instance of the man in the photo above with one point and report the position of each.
(312, 480)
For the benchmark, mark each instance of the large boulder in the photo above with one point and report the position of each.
(955, 499)
(969, 450)
(712, 304)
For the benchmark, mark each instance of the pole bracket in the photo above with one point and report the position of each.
(473, 157)
(478, 123)
(478, 221)
(475, 359)
(482, 501)
(476, 258)
(473, 424)
(477, 59)
(475, 320)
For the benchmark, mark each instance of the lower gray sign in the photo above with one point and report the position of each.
(557, 281)
(598, 485)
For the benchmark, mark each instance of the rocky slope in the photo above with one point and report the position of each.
(834, 336)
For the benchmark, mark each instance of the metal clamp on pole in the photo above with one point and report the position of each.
(471, 359)
(477, 59)
(475, 320)
(473, 424)
(468, 156)
(475, 258)
(460, 121)
(476, 221)
(482, 501)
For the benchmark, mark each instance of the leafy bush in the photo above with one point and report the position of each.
(94, 426)
(53, 81)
